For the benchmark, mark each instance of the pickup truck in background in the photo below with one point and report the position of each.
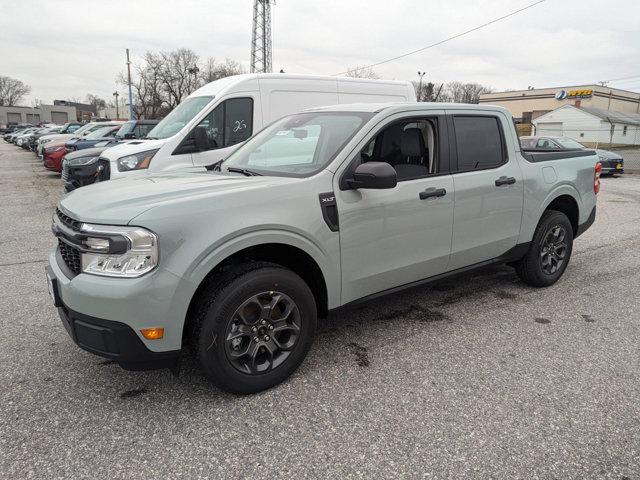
(319, 210)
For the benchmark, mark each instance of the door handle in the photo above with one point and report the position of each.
(432, 192)
(505, 181)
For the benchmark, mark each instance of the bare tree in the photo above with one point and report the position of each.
(12, 91)
(424, 93)
(177, 75)
(459, 92)
(362, 72)
(95, 100)
(212, 71)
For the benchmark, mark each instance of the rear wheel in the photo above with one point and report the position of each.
(549, 252)
(253, 327)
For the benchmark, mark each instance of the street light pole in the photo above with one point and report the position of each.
(116, 94)
(420, 74)
(131, 117)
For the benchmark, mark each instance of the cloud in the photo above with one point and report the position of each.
(68, 49)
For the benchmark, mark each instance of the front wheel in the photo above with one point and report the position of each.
(254, 327)
(549, 252)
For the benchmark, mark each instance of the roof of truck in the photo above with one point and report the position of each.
(404, 106)
(216, 86)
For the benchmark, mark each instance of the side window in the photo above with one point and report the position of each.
(238, 120)
(229, 123)
(410, 147)
(479, 142)
(545, 143)
(142, 130)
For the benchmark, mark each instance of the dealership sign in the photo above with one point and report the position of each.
(564, 94)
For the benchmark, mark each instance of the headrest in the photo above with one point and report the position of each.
(412, 143)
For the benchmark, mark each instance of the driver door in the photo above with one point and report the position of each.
(393, 237)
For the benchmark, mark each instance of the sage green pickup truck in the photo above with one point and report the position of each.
(317, 211)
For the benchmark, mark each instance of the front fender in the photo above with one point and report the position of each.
(222, 250)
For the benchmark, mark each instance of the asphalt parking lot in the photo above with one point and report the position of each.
(481, 377)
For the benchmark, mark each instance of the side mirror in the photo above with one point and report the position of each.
(374, 175)
(129, 136)
(201, 139)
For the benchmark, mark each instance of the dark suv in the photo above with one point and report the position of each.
(84, 167)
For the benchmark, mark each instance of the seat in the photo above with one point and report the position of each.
(413, 155)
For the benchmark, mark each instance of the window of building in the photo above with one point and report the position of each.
(479, 142)
(410, 147)
(624, 130)
(229, 123)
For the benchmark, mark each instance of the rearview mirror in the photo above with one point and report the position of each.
(374, 175)
(201, 139)
(129, 136)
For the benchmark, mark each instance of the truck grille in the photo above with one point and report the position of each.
(70, 254)
(65, 171)
(71, 257)
(68, 221)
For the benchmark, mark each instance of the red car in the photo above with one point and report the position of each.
(53, 156)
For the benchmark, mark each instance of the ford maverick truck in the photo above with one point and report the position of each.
(319, 210)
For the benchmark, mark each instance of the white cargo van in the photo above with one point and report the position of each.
(215, 119)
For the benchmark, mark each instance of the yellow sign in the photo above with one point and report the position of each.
(584, 93)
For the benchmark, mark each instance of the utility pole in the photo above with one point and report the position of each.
(261, 57)
(131, 117)
(438, 94)
(420, 74)
(116, 94)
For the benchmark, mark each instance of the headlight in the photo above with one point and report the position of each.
(137, 161)
(80, 162)
(118, 251)
(45, 141)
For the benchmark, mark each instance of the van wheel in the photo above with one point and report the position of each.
(549, 252)
(253, 327)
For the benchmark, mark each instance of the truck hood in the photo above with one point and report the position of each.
(117, 202)
(58, 136)
(131, 147)
(87, 152)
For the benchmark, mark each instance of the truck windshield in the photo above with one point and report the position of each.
(100, 133)
(179, 117)
(299, 145)
(566, 142)
(126, 127)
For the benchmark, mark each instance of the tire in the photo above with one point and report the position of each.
(233, 311)
(536, 267)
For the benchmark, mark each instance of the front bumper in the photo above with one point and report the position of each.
(158, 299)
(81, 176)
(114, 340)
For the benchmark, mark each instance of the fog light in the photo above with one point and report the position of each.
(152, 333)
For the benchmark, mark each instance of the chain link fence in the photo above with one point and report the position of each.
(631, 157)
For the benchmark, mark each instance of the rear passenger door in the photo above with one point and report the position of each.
(488, 187)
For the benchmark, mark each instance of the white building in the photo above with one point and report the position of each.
(590, 125)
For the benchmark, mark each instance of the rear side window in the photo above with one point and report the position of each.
(479, 142)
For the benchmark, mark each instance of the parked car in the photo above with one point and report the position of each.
(84, 167)
(89, 140)
(12, 127)
(79, 133)
(319, 210)
(32, 139)
(215, 119)
(17, 136)
(52, 156)
(612, 163)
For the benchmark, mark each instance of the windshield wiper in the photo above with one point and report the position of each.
(244, 171)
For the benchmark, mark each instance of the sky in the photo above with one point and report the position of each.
(65, 49)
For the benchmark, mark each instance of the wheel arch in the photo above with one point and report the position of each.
(566, 203)
(291, 255)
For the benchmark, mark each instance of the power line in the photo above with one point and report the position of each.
(453, 37)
